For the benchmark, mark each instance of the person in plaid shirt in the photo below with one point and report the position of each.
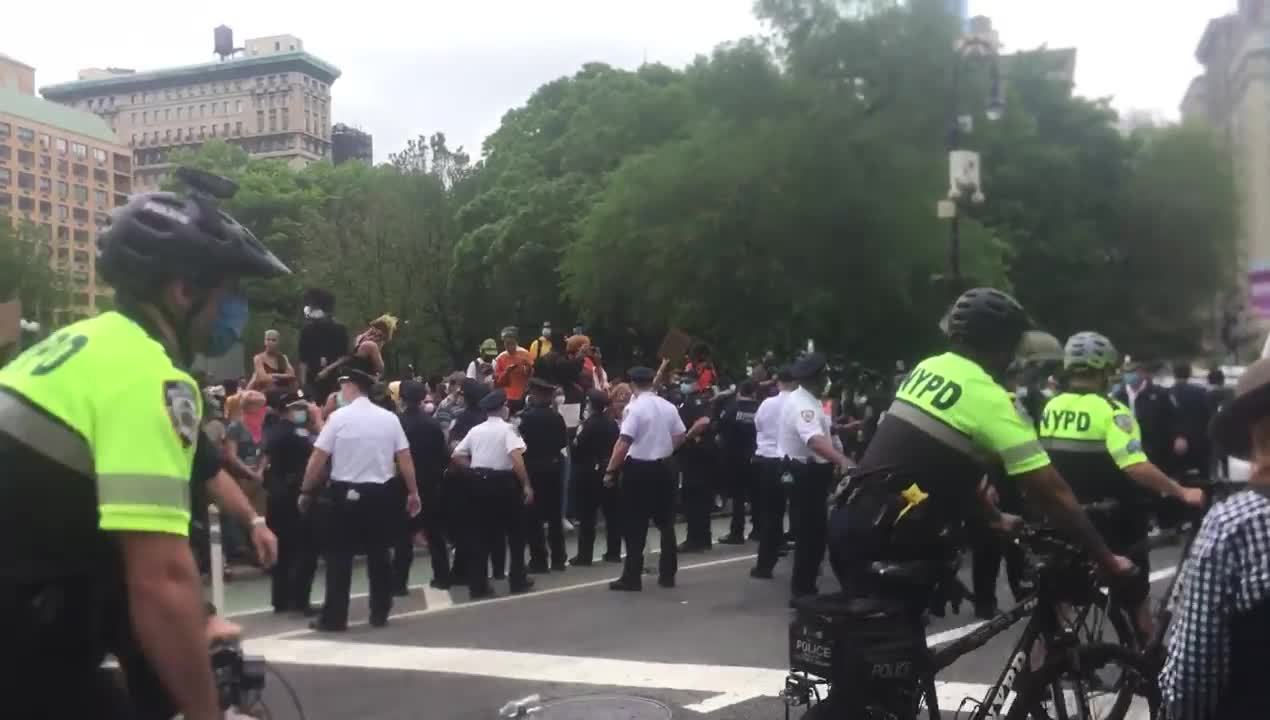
(1219, 645)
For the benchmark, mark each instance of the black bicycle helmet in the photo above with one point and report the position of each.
(986, 319)
(162, 234)
(1232, 427)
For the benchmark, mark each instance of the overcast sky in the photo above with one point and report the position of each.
(457, 66)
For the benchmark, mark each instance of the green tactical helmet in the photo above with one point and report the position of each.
(1038, 348)
(1089, 350)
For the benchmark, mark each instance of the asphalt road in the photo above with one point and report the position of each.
(714, 648)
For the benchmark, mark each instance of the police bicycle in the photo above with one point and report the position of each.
(876, 650)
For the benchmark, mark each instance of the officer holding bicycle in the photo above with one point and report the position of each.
(922, 474)
(1096, 442)
(99, 430)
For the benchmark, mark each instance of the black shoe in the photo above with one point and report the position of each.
(753, 537)
(500, 575)
(522, 587)
(687, 547)
(610, 558)
(666, 582)
(401, 592)
(309, 611)
(439, 584)
(760, 573)
(481, 593)
(579, 561)
(319, 626)
(732, 540)
(280, 609)
(559, 567)
(537, 568)
(621, 585)
(378, 622)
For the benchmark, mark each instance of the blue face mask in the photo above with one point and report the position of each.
(227, 328)
(687, 388)
(300, 417)
(1131, 379)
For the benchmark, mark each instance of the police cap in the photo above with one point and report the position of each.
(641, 375)
(360, 378)
(473, 390)
(785, 374)
(493, 401)
(808, 366)
(413, 391)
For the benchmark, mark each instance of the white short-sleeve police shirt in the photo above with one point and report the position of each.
(363, 440)
(651, 424)
(490, 445)
(767, 426)
(802, 418)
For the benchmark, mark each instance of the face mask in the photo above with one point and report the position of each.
(300, 417)
(687, 388)
(429, 408)
(227, 328)
(313, 313)
(546, 332)
(861, 400)
(1131, 378)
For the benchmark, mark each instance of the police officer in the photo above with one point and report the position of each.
(772, 489)
(697, 463)
(592, 449)
(650, 433)
(359, 508)
(498, 492)
(431, 456)
(811, 452)
(288, 442)
(457, 483)
(545, 436)
(736, 425)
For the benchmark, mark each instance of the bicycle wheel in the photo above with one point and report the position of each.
(1102, 682)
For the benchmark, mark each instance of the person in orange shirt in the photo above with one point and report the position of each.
(512, 369)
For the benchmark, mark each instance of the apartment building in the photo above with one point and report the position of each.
(1232, 97)
(273, 99)
(63, 170)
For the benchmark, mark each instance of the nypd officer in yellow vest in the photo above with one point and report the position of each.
(1096, 443)
(99, 426)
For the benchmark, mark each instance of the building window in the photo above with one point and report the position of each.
(61, 167)
(44, 142)
(286, 121)
(178, 134)
(26, 181)
(277, 46)
(6, 200)
(99, 155)
(79, 215)
(81, 236)
(26, 203)
(260, 121)
(81, 194)
(46, 208)
(260, 83)
(167, 135)
(79, 150)
(5, 152)
(62, 189)
(202, 131)
(273, 121)
(238, 127)
(6, 176)
(167, 113)
(60, 145)
(213, 130)
(45, 185)
(5, 130)
(100, 197)
(46, 163)
(26, 135)
(26, 158)
(134, 98)
(224, 108)
(226, 130)
(80, 171)
(238, 106)
(145, 117)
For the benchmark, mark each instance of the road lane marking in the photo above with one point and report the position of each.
(510, 598)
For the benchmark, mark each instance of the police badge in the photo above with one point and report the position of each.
(1124, 422)
(182, 409)
(808, 415)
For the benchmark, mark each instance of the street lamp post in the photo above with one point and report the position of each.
(963, 164)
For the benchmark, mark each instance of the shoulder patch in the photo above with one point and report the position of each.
(182, 409)
(1134, 447)
(808, 415)
(1124, 422)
